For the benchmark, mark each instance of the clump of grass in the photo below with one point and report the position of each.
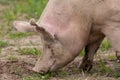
(105, 45)
(3, 43)
(35, 9)
(18, 35)
(116, 74)
(82, 53)
(12, 58)
(104, 67)
(9, 16)
(46, 76)
(29, 51)
(112, 57)
(38, 77)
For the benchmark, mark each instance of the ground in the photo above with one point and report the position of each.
(20, 51)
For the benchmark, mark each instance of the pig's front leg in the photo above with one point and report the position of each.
(90, 50)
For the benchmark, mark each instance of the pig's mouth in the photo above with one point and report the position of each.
(50, 69)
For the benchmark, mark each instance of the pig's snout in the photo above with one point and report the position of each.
(41, 70)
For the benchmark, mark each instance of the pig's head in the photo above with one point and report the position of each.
(57, 16)
(54, 55)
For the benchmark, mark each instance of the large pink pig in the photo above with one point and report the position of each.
(68, 26)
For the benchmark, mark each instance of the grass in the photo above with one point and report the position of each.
(116, 74)
(104, 68)
(38, 77)
(111, 57)
(12, 58)
(46, 76)
(3, 43)
(18, 35)
(105, 45)
(29, 51)
(82, 53)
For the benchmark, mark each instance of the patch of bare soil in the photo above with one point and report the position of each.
(15, 69)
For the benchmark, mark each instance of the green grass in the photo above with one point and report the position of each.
(3, 43)
(29, 51)
(111, 57)
(37, 77)
(82, 53)
(116, 74)
(18, 35)
(104, 68)
(12, 58)
(105, 45)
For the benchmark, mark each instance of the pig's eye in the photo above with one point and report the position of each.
(48, 46)
(52, 51)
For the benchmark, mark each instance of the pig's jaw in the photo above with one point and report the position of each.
(55, 65)
(51, 68)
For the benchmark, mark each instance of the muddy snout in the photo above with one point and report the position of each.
(40, 70)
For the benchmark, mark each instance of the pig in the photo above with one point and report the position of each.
(68, 26)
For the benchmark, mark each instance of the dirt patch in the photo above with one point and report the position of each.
(13, 70)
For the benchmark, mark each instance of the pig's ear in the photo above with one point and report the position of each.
(41, 30)
(23, 26)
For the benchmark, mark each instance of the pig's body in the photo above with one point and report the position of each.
(75, 24)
